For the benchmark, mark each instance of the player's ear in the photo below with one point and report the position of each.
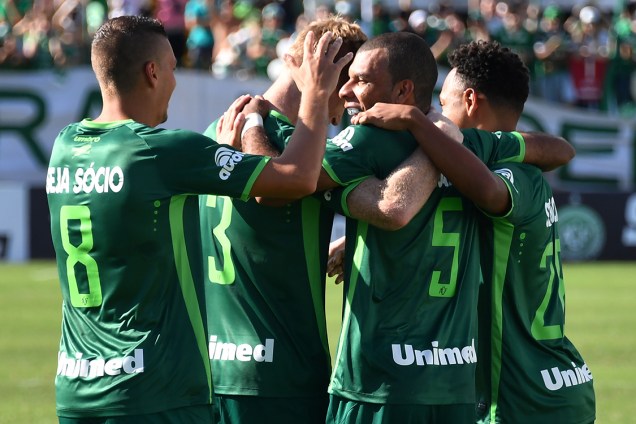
(470, 99)
(151, 73)
(403, 90)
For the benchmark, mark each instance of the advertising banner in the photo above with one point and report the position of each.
(594, 192)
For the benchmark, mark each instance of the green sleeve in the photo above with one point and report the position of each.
(360, 151)
(495, 147)
(336, 198)
(211, 130)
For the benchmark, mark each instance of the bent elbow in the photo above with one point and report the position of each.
(302, 187)
(396, 220)
(400, 221)
(570, 152)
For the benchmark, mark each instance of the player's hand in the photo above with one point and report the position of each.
(258, 105)
(397, 117)
(335, 264)
(228, 129)
(318, 71)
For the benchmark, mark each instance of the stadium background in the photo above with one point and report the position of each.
(595, 194)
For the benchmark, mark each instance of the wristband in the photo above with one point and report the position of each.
(252, 120)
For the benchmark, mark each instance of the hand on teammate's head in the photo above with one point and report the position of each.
(258, 105)
(318, 71)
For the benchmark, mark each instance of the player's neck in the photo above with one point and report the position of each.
(120, 109)
(497, 121)
(284, 97)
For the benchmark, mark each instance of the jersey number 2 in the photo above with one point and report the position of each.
(540, 330)
(80, 255)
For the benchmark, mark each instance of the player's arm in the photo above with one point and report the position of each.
(335, 264)
(546, 151)
(295, 172)
(253, 136)
(250, 136)
(392, 203)
(469, 174)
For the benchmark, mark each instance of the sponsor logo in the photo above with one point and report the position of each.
(343, 139)
(103, 179)
(551, 212)
(78, 367)
(443, 181)
(506, 173)
(227, 159)
(86, 139)
(566, 378)
(405, 355)
(221, 351)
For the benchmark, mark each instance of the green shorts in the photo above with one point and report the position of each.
(200, 414)
(345, 411)
(235, 409)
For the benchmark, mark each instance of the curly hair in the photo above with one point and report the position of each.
(493, 70)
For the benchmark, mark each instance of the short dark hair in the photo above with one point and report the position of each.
(493, 70)
(120, 48)
(409, 57)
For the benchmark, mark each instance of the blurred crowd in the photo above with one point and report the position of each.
(583, 56)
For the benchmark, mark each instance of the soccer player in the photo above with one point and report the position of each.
(407, 347)
(407, 350)
(124, 225)
(528, 371)
(265, 274)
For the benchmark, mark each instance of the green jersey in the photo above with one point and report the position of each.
(265, 290)
(409, 327)
(126, 237)
(529, 371)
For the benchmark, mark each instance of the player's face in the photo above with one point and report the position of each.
(451, 99)
(166, 66)
(336, 104)
(369, 81)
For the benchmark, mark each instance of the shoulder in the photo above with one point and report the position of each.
(523, 179)
(354, 135)
(172, 137)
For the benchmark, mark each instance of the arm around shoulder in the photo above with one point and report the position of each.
(546, 151)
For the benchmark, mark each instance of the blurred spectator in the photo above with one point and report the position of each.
(227, 32)
(453, 33)
(171, 13)
(514, 35)
(622, 66)
(33, 33)
(589, 56)
(261, 48)
(551, 49)
(419, 25)
(200, 42)
(381, 19)
(575, 57)
(128, 7)
(346, 9)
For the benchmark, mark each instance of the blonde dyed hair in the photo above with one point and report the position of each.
(351, 33)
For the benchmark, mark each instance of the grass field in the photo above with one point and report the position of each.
(601, 314)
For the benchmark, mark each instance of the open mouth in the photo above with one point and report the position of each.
(353, 111)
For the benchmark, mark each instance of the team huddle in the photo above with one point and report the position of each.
(193, 266)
